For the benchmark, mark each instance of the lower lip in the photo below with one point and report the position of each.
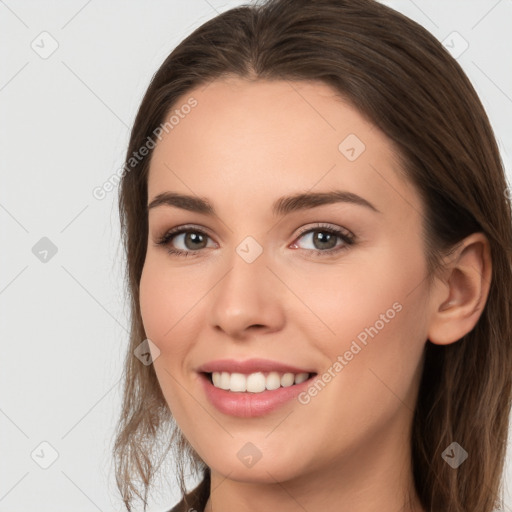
(249, 405)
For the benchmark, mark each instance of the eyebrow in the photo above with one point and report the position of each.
(281, 207)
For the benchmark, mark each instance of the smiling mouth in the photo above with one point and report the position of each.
(256, 382)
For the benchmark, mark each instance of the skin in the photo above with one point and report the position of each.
(243, 146)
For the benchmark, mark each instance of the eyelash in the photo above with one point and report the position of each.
(347, 237)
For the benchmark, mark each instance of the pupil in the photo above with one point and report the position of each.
(195, 237)
(321, 236)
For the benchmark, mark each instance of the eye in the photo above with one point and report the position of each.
(324, 239)
(192, 238)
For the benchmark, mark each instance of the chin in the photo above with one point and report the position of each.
(267, 470)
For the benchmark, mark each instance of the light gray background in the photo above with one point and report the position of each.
(65, 123)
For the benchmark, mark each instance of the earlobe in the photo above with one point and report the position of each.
(460, 300)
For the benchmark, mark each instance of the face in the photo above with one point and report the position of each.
(333, 286)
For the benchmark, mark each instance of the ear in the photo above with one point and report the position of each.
(459, 300)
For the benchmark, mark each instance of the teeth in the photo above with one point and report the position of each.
(256, 382)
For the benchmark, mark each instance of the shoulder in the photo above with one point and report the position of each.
(177, 508)
(195, 500)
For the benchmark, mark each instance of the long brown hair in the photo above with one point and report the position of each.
(400, 77)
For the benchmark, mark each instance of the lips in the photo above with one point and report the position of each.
(251, 366)
(250, 405)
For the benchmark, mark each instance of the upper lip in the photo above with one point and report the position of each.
(249, 366)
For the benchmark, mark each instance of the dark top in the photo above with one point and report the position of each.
(197, 498)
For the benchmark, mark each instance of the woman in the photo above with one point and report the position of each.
(318, 239)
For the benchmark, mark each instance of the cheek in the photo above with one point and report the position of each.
(376, 313)
(165, 305)
(152, 302)
(371, 374)
(355, 296)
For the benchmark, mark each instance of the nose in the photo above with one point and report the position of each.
(248, 299)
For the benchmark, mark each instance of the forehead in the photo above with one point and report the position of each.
(264, 138)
